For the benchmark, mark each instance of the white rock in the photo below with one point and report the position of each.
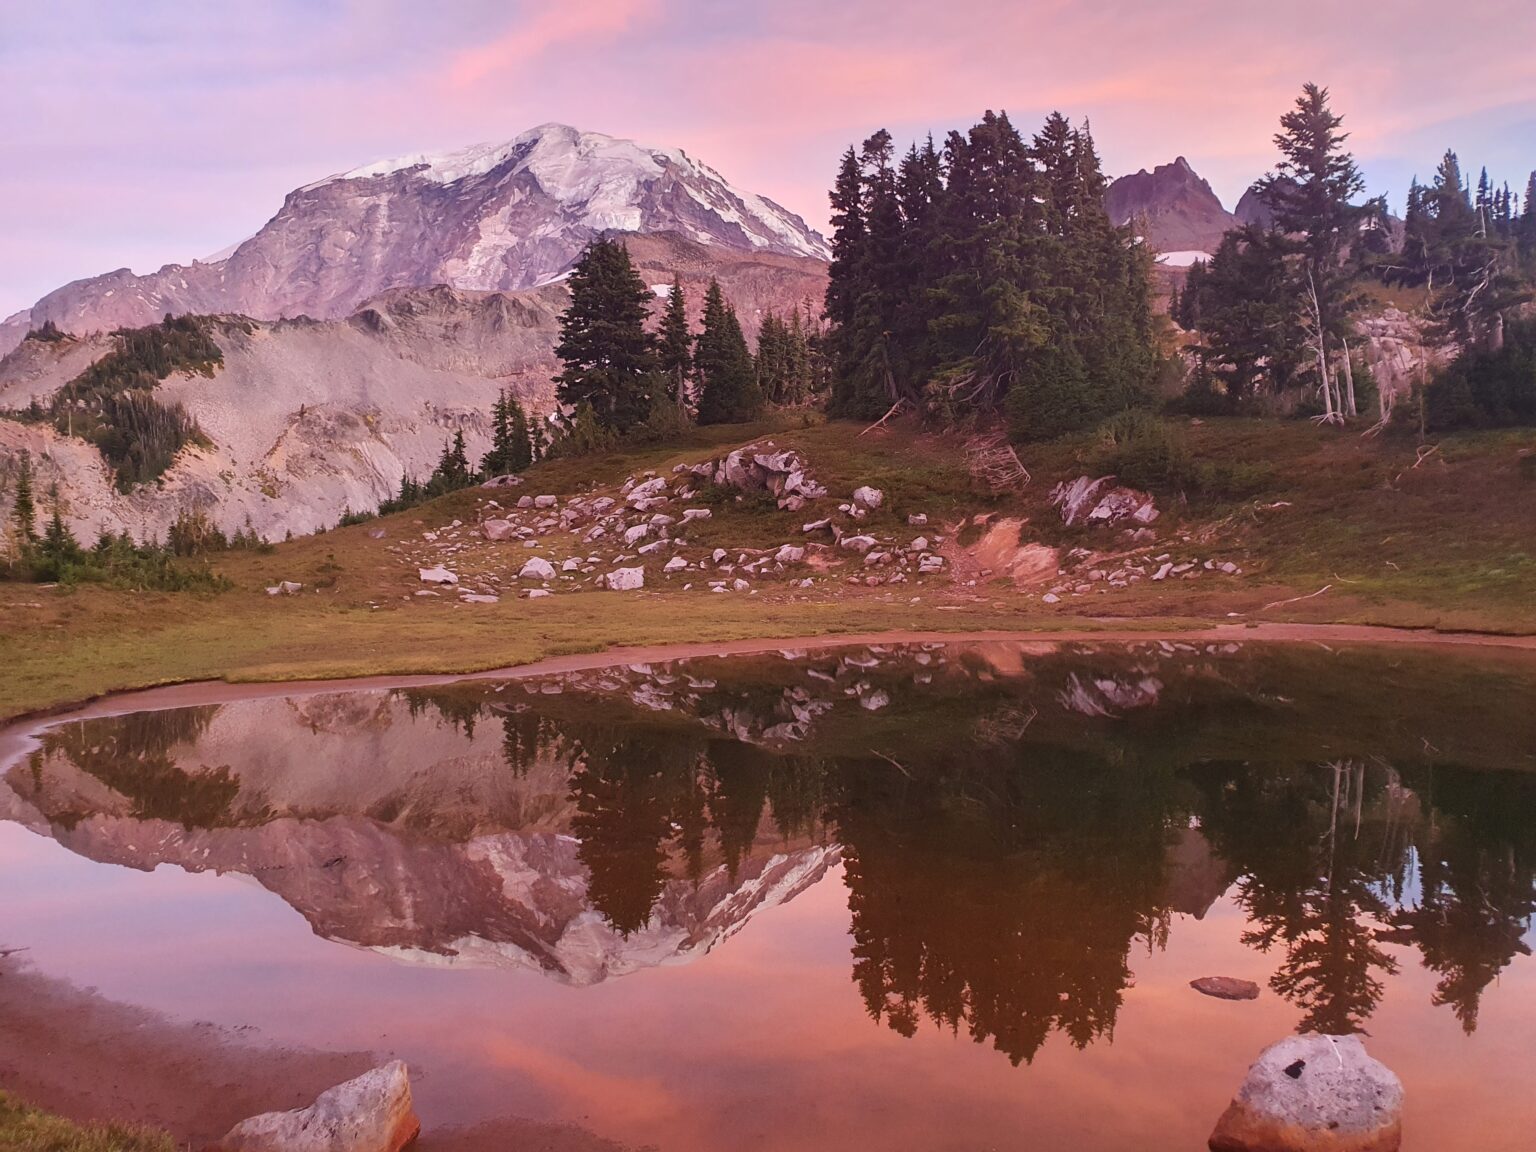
(1310, 1094)
(545, 501)
(676, 564)
(692, 514)
(919, 544)
(570, 565)
(525, 501)
(638, 532)
(370, 1114)
(815, 525)
(647, 491)
(647, 549)
(624, 579)
(917, 520)
(537, 568)
(437, 575)
(1162, 573)
(1051, 598)
(479, 598)
(930, 564)
(718, 555)
(537, 593)
(740, 585)
(789, 554)
(497, 529)
(867, 497)
(857, 543)
(285, 588)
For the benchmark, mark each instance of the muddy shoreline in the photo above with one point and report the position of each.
(20, 735)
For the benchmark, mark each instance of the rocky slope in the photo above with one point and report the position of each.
(1180, 214)
(309, 418)
(490, 218)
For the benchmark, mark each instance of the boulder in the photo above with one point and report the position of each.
(624, 579)
(676, 564)
(1123, 504)
(437, 575)
(789, 554)
(545, 501)
(929, 564)
(867, 497)
(498, 529)
(570, 565)
(692, 514)
(1226, 988)
(285, 588)
(858, 544)
(1076, 498)
(370, 1114)
(1314, 1094)
(649, 490)
(638, 532)
(536, 568)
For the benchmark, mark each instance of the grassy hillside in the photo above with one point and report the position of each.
(24, 1129)
(1443, 541)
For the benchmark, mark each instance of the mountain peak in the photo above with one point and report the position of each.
(1181, 212)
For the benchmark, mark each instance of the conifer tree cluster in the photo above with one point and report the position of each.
(723, 367)
(788, 361)
(986, 275)
(511, 440)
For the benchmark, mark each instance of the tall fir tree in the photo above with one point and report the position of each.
(1312, 194)
(24, 506)
(610, 360)
(675, 343)
(723, 366)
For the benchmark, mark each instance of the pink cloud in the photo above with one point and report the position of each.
(557, 23)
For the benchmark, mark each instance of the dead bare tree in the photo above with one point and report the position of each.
(994, 464)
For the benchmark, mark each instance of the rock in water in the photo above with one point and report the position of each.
(1314, 1094)
(370, 1114)
(1226, 988)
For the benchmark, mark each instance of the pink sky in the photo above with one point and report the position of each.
(138, 134)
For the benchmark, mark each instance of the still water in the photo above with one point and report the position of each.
(898, 897)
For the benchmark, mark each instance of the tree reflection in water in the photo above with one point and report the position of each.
(1009, 848)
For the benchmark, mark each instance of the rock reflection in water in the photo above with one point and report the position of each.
(1016, 824)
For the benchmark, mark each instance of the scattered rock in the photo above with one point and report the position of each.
(1314, 1094)
(1051, 598)
(376, 533)
(637, 533)
(537, 593)
(692, 514)
(1162, 573)
(437, 575)
(676, 564)
(624, 579)
(536, 568)
(508, 481)
(498, 529)
(1226, 988)
(545, 501)
(917, 520)
(479, 598)
(870, 498)
(1123, 504)
(373, 1113)
(570, 565)
(815, 525)
(285, 588)
(789, 554)
(930, 564)
(858, 544)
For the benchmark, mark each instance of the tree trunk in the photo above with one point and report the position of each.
(1349, 384)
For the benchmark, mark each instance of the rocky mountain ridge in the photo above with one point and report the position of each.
(492, 218)
(1177, 209)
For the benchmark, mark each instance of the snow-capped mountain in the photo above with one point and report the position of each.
(494, 217)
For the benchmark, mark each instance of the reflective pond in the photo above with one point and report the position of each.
(931, 896)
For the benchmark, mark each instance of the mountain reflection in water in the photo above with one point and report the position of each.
(1016, 823)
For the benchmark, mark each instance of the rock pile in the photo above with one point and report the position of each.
(1089, 501)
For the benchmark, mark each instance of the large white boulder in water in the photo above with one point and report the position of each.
(1314, 1094)
(373, 1113)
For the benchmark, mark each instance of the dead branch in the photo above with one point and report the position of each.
(1295, 599)
(896, 407)
(993, 463)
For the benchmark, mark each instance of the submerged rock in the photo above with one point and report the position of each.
(373, 1113)
(1226, 988)
(1314, 1094)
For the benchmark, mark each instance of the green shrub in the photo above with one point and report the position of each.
(1143, 451)
(1481, 389)
(24, 1129)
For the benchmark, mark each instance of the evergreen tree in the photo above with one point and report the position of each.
(1528, 218)
(24, 507)
(1249, 320)
(676, 343)
(1312, 193)
(511, 447)
(452, 471)
(610, 359)
(723, 367)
